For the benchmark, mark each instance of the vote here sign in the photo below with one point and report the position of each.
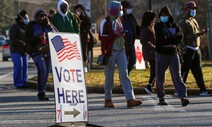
(68, 75)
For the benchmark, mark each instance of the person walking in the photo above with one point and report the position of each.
(147, 39)
(18, 48)
(52, 12)
(168, 37)
(37, 47)
(64, 20)
(192, 57)
(113, 47)
(85, 27)
(130, 25)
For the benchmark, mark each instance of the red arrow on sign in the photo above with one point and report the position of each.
(139, 54)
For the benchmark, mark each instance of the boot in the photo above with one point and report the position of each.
(133, 102)
(185, 101)
(109, 103)
(42, 97)
(162, 102)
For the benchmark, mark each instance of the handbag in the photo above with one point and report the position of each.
(102, 60)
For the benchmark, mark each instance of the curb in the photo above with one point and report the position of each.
(116, 90)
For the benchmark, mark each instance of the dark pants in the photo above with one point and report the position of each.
(84, 45)
(152, 72)
(192, 61)
(20, 70)
(132, 58)
(43, 65)
(162, 64)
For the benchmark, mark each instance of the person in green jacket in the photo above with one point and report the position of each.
(64, 20)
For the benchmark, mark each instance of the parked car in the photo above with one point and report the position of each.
(2, 40)
(6, 50)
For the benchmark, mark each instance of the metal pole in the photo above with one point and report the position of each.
(150, 4)
(210, 27)
(105, 8)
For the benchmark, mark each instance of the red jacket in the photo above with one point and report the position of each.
(107, 36)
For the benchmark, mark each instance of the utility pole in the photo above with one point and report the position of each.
(105, 3)
(209, 2)
(150, 4)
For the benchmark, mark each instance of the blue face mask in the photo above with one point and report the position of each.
(193, 13)
(164, 19)
(121, 13)
(26, 21)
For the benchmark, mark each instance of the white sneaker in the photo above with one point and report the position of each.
(204, 93)
(147, 91)
(176, 94)
(86, 69)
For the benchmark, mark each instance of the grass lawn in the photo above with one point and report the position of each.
(140, 78)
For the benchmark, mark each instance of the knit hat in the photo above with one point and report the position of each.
(21, 14)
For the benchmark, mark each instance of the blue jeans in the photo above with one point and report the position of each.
(119, 58)
(43, 65)
(20, 70)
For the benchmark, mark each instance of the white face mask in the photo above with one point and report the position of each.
(129, 11)
(78, 13)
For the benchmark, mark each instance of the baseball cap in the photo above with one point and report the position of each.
(126, 4)
(191, 5)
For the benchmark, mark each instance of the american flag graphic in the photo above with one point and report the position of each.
(65, 49)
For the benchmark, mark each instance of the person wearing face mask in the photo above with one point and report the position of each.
(192, 34)
(168, 37)
(130, 25)
(36, 38)
(64, 20)
(113, 47)
(18, 48)
(85, 27)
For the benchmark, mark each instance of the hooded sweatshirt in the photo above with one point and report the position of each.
(168, 35)
(33, 31)
(109, 40)
(65, 22)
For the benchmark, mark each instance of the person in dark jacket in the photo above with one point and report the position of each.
(168, 37)
(113, 46)
(18, 48)
(37, 47)
(147, 39)
(85, 27)
(130, 25)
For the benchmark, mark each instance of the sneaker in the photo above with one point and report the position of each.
(109, 103)
(176, 94)
(185, 102)
(162, 102)
(148, 89)
(42, 97)
(204, 93)
(133, 102)
(85, 69)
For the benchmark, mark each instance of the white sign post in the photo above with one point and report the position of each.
(140, 63)
(69, 80)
